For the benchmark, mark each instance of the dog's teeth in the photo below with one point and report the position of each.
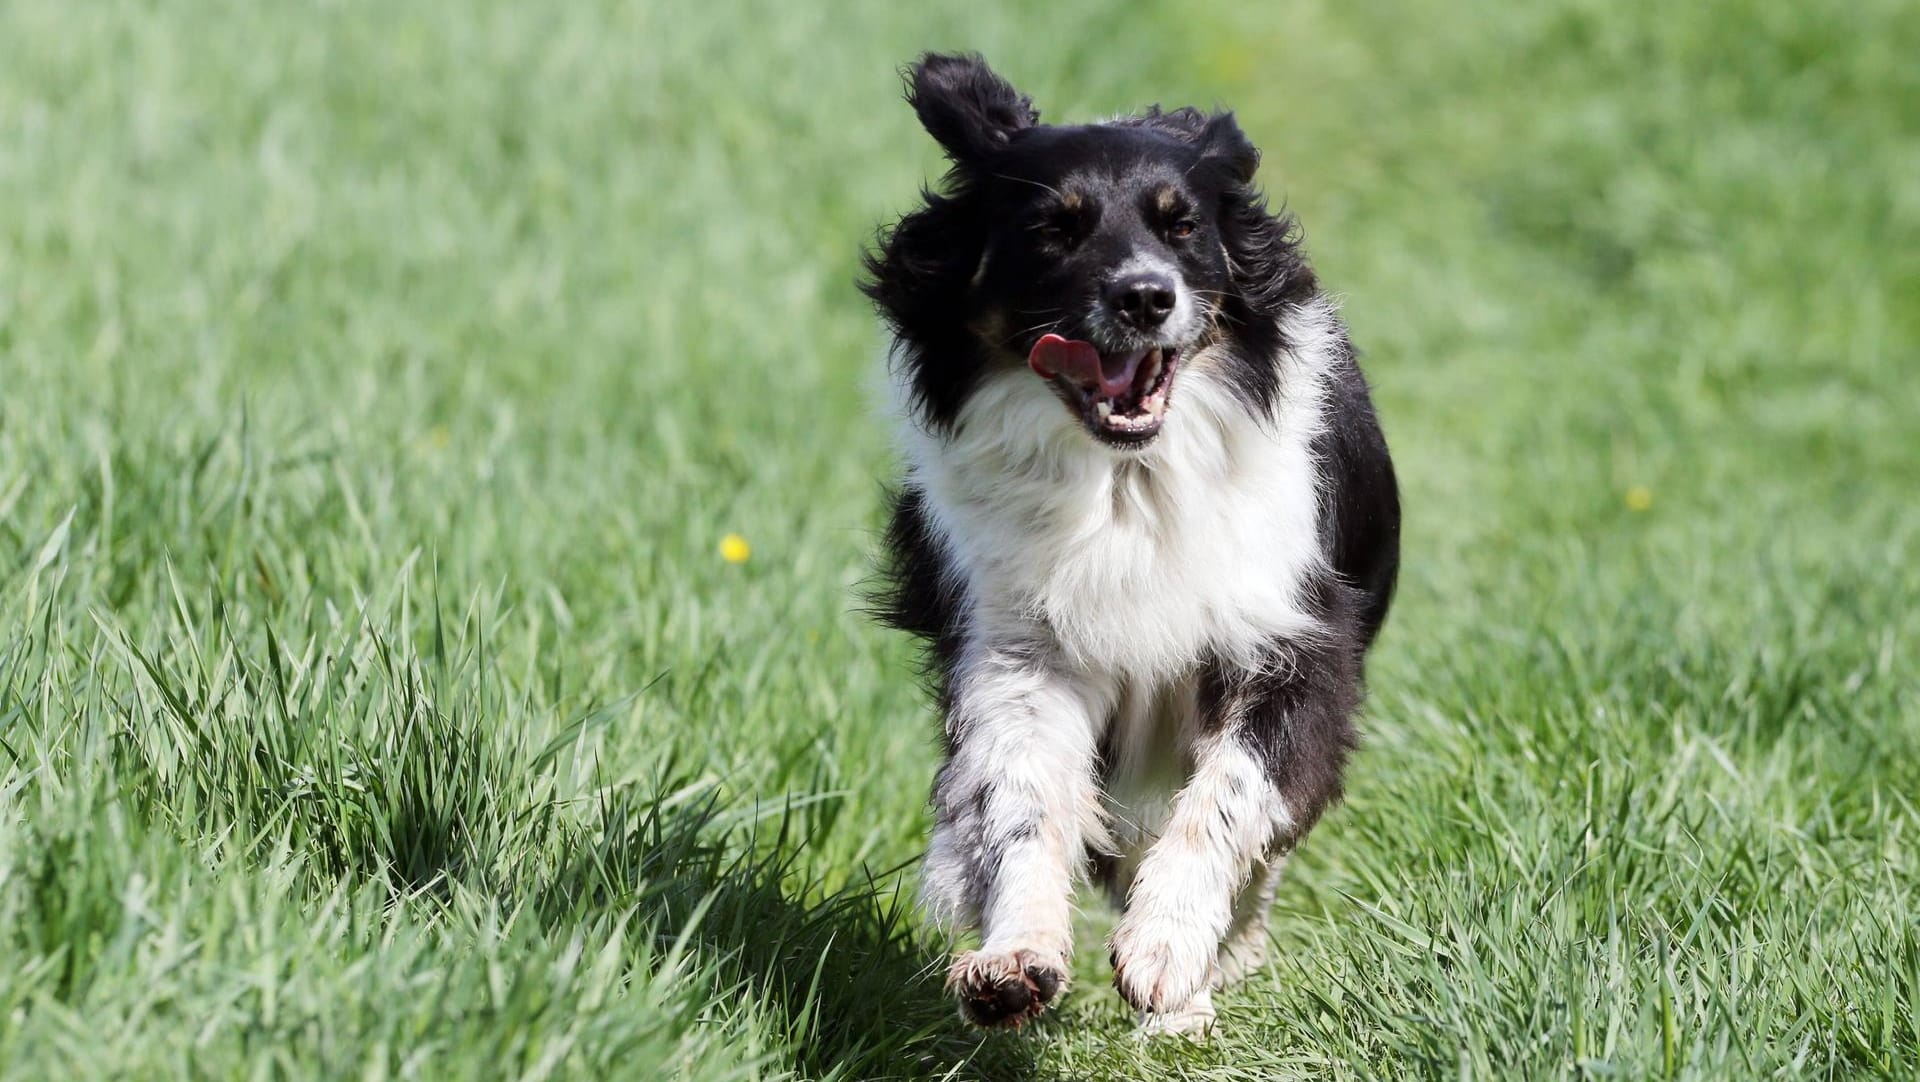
(1103, 409)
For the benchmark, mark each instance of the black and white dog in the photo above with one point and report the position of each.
(1148, 530)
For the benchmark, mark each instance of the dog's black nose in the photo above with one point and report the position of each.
(1144, 300)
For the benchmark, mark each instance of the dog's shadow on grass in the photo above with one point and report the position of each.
(851, 984)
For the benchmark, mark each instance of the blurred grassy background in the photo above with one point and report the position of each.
(377, 385)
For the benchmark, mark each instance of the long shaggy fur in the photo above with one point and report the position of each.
(1147, 645)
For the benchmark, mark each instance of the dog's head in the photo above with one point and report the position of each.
(1101, 257)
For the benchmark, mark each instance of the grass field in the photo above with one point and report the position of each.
(377, 384)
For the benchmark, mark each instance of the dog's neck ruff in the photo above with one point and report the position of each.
(1135, 564)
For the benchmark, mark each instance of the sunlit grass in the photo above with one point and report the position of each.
(438, 464)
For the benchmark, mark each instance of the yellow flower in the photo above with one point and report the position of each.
(734, 549)
(1639, 498)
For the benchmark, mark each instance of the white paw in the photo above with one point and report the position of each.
(1162, 962)
(998, 988)
(1194, 1021)
(1239, 957)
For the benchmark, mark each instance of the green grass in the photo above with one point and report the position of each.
(376, 384)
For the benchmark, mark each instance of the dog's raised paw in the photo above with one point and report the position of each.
(1005, 988)
(1161, 963)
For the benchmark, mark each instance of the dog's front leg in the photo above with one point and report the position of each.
(1013, 807)
(1272, 746)
(1181, 903)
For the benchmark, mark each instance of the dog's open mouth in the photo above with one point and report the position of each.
(1122, 396)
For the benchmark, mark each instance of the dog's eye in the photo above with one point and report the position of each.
(1182, 229)
(1060, 229)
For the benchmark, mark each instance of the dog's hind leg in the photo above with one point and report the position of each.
(1245, 948)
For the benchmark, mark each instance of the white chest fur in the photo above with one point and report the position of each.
(1136, 564)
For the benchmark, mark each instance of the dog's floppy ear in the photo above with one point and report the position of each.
(969, 111)
(1222, 142)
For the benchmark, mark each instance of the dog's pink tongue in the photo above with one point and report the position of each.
(1080, 362)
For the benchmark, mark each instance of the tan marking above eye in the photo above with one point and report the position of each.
(1167, 199)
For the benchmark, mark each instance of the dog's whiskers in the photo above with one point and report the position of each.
(1023, 180)
(1024, 331)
